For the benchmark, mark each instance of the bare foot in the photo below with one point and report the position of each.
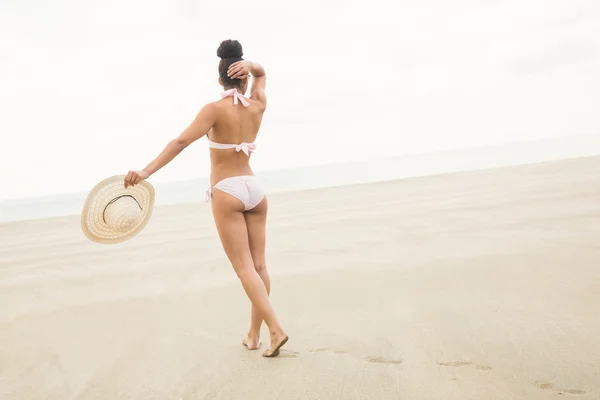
(277, 342)
(251, 344)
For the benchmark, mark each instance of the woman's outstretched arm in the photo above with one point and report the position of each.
(198, 128)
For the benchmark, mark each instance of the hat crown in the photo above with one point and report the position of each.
(123, 214)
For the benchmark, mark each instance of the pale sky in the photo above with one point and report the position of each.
(90, 89)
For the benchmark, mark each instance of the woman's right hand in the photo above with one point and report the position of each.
(135, 177)
(239, 69)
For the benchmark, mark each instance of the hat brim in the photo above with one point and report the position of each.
(92, 220)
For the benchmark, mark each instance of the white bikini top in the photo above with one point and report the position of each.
(247, 148)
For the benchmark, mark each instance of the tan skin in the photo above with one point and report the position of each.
(242, 233)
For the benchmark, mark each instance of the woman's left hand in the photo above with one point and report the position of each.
(239, 70)
(135, 177)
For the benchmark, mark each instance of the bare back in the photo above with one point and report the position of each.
(234, 124)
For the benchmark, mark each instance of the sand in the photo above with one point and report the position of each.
(480, 285)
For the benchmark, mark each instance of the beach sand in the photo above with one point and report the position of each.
(478, 285)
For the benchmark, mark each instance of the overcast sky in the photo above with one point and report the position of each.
(89, 89)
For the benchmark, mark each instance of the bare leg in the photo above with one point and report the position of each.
(231, 225)
(256, 221)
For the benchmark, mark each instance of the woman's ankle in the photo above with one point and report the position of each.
(253, 334)
(278, 331)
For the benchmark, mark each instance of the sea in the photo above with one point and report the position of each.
(337, 174)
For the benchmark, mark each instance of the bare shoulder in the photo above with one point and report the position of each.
(213, 108)
(258, 105)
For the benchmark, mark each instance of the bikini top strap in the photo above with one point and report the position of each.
(247, 148)
(236, 95)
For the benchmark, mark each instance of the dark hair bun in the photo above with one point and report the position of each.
(230, 49)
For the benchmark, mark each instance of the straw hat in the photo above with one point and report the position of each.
(113, 214)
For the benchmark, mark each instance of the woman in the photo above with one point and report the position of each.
(239, 204)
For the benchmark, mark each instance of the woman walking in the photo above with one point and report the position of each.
(239, 203)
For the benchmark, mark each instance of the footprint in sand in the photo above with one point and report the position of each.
(464, 364)
(379, 360)
(455, 364)
(550, 386)
(288, 354)
(373, 360)
(328, 351)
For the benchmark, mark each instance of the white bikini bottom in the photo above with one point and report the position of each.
(244, 187)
